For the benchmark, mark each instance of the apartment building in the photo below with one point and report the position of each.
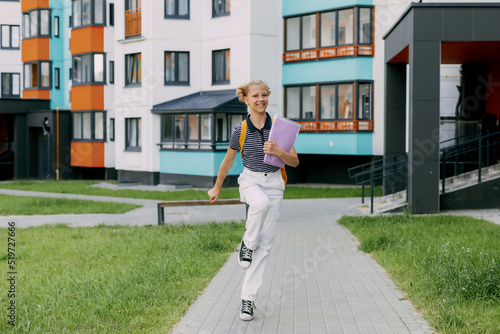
(178, 64)
(329, 85)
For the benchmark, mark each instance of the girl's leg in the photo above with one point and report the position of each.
(258, 208)
(254, 275)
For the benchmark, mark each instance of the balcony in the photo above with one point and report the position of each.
(350, 125)
(132, 22)
(338, 51)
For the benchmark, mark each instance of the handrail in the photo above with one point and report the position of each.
(394, 165)
(467, 156)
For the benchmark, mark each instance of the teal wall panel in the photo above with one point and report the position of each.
(293, 7)
(196, 163)
(335, 143)
(60, 54)
(345, 69)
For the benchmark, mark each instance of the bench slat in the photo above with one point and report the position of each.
(204, 202)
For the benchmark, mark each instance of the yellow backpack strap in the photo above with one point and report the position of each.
(243, 134)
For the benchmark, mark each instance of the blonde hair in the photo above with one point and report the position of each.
(242, 91)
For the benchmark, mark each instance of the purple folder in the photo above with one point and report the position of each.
(284, 132)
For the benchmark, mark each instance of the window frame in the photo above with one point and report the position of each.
(137, 72)
(111, 14)
(27, 34)
(39, 74)
(226, 12)
(227, 67)
(92, 113)
(177, 16)
(138, 132)
(11, 95)
(56, 26)
(92, 14)
(355, 99)
(111, 129)
(328, 51)
(186, 143)
(57, 78)
(176, 81)
(10, 47)
(358, 27)
(92, 80)
(111, 71)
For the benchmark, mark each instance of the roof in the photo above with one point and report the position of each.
(442, 5)
(202, 101)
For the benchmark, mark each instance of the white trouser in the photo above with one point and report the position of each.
(263, 192)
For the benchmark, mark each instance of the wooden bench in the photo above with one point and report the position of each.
(162, 205)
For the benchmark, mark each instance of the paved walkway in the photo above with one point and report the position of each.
(316, 282)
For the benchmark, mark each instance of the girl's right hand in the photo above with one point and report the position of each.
(213, 194)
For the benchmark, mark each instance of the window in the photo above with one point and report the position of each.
(133, 69)
(112, 14)
(37, 75)
(111, 72)
(88, 126)
(220, 67)
(187, 131)
(338, 31)
(89, 69)
(332, 106)
(176, 68)
(220, 8)
(112, 129)
(177, 9)
(10, 37)
(301, 32)
(88, 13)
(56, 26)
(365, 26)
(57, 78)
(195, 131)
(132, 134)
(11, 85)
(301, 102)
(36, 23)
(364, 101)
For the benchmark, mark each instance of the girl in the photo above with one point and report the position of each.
(261, 186)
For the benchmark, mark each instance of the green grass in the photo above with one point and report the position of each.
(449, 267)
(29, 205)
(84, 188)
(111, 279)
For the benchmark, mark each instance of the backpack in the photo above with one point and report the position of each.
(243, 135)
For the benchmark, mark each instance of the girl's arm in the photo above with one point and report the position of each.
(224, 168)
(291, 159)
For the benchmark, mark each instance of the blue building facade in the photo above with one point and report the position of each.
(328, 85)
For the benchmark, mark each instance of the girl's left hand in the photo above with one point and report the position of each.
(270, 147)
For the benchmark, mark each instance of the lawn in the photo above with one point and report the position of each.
(449, 267)
(84, 187)
(30, 205)
(111, 279)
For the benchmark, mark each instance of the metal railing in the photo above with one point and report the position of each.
(331, 52)
(133, 22)
(393, 168)
(459, 159)
(468, 156)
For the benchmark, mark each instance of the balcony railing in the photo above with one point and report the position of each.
(338, 51)
(336, 126)
(133, 22)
